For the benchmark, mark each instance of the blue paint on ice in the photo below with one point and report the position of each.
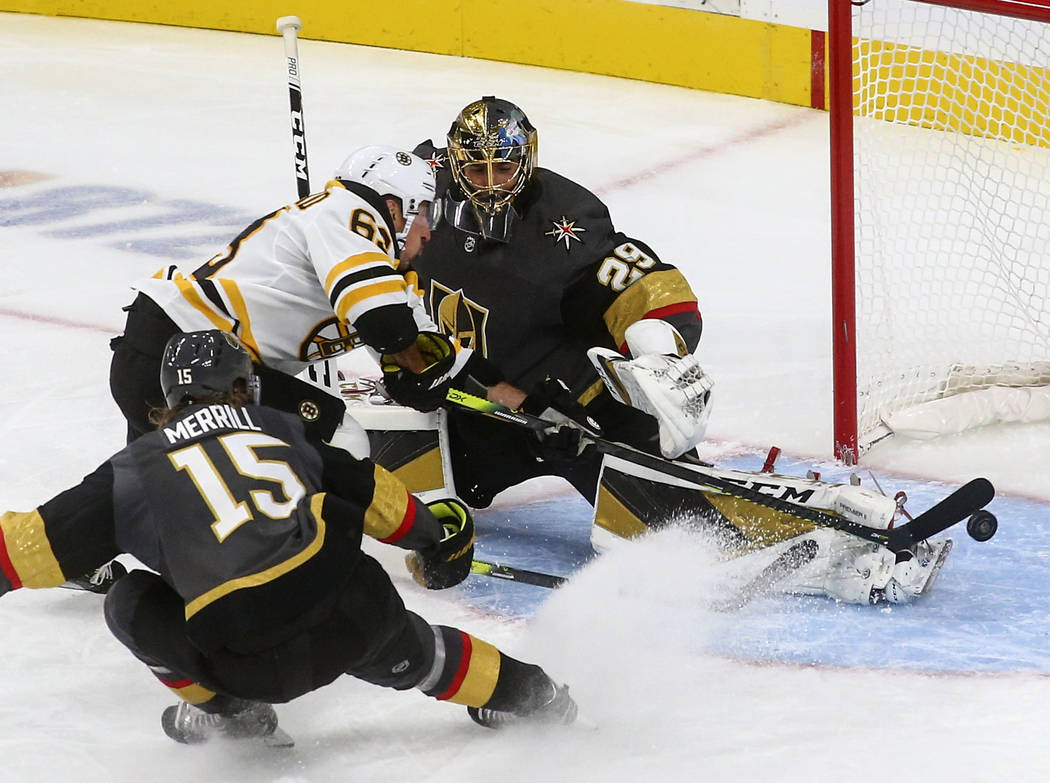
(988, 612)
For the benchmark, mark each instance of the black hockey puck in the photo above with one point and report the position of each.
(982, 525)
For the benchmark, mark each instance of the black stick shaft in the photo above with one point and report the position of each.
(971, 496)
(698, 477)
(511, 574)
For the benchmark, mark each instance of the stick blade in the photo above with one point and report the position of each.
(958, 506)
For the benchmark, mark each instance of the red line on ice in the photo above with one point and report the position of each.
(55, 321)
(704, 152)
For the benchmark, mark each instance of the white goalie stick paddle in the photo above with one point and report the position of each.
(289, 27)
(954, 508)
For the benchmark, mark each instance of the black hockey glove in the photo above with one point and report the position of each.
(447, 562)
(570, 422)
(426, 390)
(477, 375)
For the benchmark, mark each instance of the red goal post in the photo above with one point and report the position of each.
(940, 215)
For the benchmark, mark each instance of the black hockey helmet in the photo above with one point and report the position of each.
(202, 364)
(487, 132)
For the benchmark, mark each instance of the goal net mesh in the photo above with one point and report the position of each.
(952, 204)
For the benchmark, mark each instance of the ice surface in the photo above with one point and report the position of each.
(158, 144)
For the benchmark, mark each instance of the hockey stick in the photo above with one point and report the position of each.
(321, 373)
(512, 574)
(785, 564)
(961, 503)
(289, 27)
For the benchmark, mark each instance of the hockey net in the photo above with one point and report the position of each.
(940, 117)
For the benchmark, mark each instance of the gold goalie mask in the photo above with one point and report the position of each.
(492, 154)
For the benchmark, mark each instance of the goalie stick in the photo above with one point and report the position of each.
(957, 506)
(785, 564)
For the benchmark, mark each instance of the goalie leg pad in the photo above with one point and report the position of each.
(411, 444)
(652, 335)
(845, 569)
(351, 437)
(622, 478)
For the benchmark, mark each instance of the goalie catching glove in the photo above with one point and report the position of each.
(662, 380)
(425, 390)
(446, 563)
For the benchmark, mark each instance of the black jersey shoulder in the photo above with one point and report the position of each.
(550, 193)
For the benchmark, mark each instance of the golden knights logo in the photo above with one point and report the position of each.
(565, 230)
(329, 338)
(459, 317)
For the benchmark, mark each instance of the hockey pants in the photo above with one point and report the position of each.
(368, 634)
(488, 456)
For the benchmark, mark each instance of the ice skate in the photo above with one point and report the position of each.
(99, 580)
(559, 709)
(914, 576)
(244, 720)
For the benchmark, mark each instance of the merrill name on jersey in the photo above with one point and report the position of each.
(212, 417)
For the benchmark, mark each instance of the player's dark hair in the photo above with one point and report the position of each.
(239, 395)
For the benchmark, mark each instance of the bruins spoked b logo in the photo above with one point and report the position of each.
(329, 338)
(309, 410)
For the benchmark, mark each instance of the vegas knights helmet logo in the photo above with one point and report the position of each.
(459, 317)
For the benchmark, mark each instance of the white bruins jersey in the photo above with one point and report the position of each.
(293, 283)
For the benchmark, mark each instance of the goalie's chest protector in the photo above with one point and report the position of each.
(506, 300)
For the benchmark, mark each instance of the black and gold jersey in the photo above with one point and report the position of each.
(251, 520)
(565, 280)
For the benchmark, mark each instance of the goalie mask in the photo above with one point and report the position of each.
(197, 365)
(393, 173)
(492, 154)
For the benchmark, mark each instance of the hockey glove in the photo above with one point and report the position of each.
(669, 386)
(477, 375)
(570, 423)
(447, 562)
(425, 390)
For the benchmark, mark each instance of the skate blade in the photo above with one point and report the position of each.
(279, 739)
(935, 570)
